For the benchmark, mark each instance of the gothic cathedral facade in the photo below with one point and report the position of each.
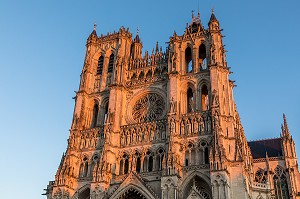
(164, 125)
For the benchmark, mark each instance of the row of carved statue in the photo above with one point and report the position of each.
(192, 125)
(143, 133)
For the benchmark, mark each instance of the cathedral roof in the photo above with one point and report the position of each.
(259, 148)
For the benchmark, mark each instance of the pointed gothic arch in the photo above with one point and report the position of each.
(188, 60)
(111, 62)
(132, 191)
(95, 114)
(100, 65)
(201, 182)
(280, 184)
(103, 112)
(202, 57)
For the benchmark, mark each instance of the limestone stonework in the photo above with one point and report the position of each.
(164, 125)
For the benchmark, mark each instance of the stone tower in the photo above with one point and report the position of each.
(165, 125)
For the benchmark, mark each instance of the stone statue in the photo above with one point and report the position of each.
(206, 103)
(172, 106)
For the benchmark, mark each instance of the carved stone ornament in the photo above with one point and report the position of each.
(148, 108)
(146, 105)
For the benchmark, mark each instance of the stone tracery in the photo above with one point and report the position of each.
(148, 108)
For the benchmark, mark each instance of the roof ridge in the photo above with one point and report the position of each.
(263, 139)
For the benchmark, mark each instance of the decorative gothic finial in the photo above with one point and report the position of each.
(213, 10)
(95, 26)
(157, 48)
(193, 14)
(137, 30)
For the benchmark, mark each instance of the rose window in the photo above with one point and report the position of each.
(148, 108)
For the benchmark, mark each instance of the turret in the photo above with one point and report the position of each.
(136, 48)
(217, 48)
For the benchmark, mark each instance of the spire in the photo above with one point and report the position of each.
(137, 37)
(196, 19)
(213, 17)
(94, 30)
(62, 160)
(156, 48)
(284, 127)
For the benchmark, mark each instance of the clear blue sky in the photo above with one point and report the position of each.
(42, 47)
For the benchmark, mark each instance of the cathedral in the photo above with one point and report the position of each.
(164, 125)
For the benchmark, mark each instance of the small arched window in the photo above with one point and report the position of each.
(204, 98)
(126, 166)
(94, 164)
(84, 167)
(100, 65)
(103, 112)
(206, 156)
(150, 164)
(111, 63)
(138, 164)
(95, 115)
(202, 57)
(190, 100)
(188, 60)
(159, 159)
(187, 158)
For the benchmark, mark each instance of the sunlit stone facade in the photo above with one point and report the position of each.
(165, 125)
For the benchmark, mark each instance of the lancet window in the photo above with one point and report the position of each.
(100, 65)
(111, 63)
(159, 159)
(148, 162)
(190, 100)
(124, 164)
(196, 155)
(138, 162)
(280, 184)
(188, 60)
(83, 171)
(95, 115)
(202, 57)
(94, 164)
(103, 112)
(204, 98)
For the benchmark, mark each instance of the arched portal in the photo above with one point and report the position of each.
(132, 194)
(84, 194)
(197, 185)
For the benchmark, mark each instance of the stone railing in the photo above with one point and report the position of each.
(270, 159)
(195, 167)
(259, 185)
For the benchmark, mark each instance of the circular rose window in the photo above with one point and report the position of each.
(148, 108)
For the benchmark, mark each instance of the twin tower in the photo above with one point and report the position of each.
(164, 125)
